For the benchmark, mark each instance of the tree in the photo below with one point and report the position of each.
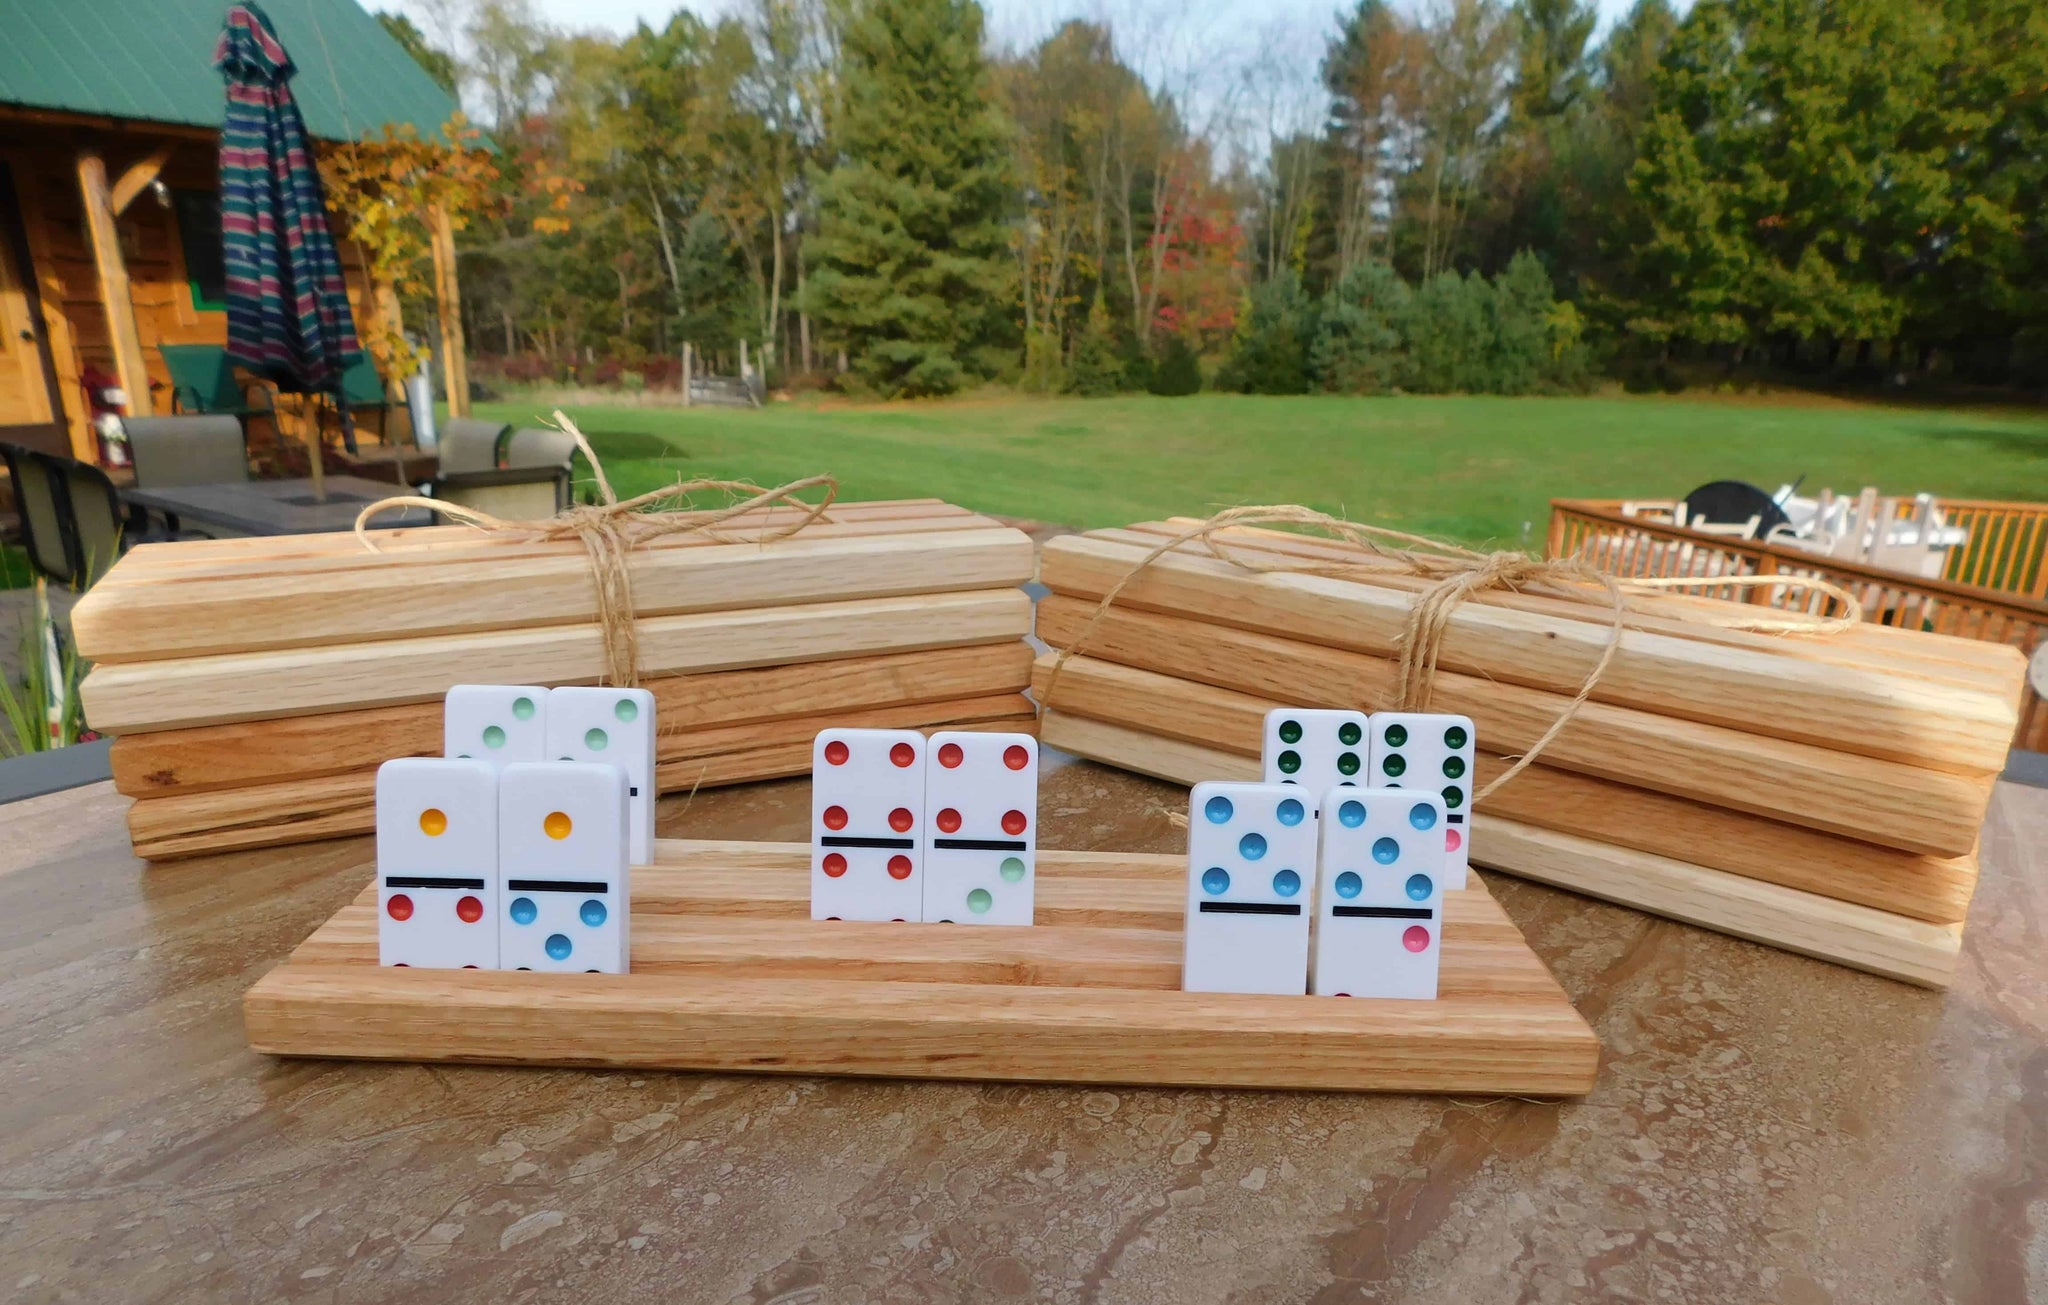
(912, 264)
(1270, 355)
(437, 64)
(1358, 346)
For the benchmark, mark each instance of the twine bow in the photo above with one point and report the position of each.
(1458, 574)
(612, 529)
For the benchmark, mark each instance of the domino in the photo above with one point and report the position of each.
(1379, 894)
(437, 864)
(1433, 752)
(495, 723)
(563, 868)
(1316, 749)
(1251, 883)
(981, 827)
(614, 726)
(867, 818)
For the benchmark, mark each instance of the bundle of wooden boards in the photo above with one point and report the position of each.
(256, 684)
(1821, 794)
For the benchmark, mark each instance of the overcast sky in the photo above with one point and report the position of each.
(1011, 22)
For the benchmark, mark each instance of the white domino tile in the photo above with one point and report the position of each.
(564, 889)
(1251, 888)
(981, 827)
(437, 864)
(1379, 902)
(1434, 753)
(495, 723)
(867, 820)
(1316, 749)
(614, 726)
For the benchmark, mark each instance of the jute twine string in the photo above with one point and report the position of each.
(609, 532)
(1459, 574)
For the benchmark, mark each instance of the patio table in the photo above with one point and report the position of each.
(1766, 1128)
(276, 507)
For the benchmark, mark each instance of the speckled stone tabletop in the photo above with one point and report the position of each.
(1766, 1128)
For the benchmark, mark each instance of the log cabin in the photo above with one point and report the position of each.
(109, 197)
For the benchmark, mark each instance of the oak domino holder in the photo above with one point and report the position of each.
(730, 975)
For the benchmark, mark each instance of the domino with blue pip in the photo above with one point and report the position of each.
(1380, 899)
(1251, 885)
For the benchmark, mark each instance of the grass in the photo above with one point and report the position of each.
(1480, 470)
(15, 571)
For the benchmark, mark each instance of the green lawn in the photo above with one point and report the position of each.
(1475, 469)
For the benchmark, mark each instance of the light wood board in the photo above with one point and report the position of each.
(215, 757)
(730, 974)
(341, 805)
(1611, 810)
(1896, 716)
(407, 595)
(1844, 933)
(1927, 811)
(192, 691)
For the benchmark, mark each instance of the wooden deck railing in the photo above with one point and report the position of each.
(2011, 550)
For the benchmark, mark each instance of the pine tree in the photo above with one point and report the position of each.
(911, 267)
(1358, 347)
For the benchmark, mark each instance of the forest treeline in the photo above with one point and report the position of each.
(1470, 195)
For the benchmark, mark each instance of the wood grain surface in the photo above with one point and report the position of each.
(804, 996)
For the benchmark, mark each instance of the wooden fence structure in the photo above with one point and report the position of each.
(1995, 587)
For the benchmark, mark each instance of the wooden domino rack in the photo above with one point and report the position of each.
(730, 974)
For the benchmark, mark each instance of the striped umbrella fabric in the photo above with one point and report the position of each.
(288, 315)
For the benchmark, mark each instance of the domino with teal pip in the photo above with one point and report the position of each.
(563, 873)
(980, 827)
(437, 863)
(1316, 749)
(615, 727)
(495, 723)
(1251, 886)
(1435, 753)
(1380, 895)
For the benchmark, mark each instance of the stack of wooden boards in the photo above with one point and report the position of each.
(256, 684)
(730, 974)
(1821, 794)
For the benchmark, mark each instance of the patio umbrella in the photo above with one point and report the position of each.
(288, 316)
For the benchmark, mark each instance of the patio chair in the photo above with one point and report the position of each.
(36, 490)
(468, 444)
(540, 448)
(74, 524)
(171, 451)
(513, 494)
(98, 525)
(365, 392)
(203, 381)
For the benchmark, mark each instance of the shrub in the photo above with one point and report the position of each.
(1450, 334)
(1270, 353)
(1094, 371)
(1177, 371)
(1358, 346)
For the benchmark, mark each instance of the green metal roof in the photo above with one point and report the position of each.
(153, 60)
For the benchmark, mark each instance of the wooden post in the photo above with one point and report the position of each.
(686, 373)
(448, 307)
(115, 296)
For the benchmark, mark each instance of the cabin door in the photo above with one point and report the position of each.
(26, 376)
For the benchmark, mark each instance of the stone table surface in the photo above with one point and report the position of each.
(1766, 1128)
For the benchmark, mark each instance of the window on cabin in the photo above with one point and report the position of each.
(199, 236)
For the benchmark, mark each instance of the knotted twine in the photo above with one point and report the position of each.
(609, 531)
(1459, 574)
